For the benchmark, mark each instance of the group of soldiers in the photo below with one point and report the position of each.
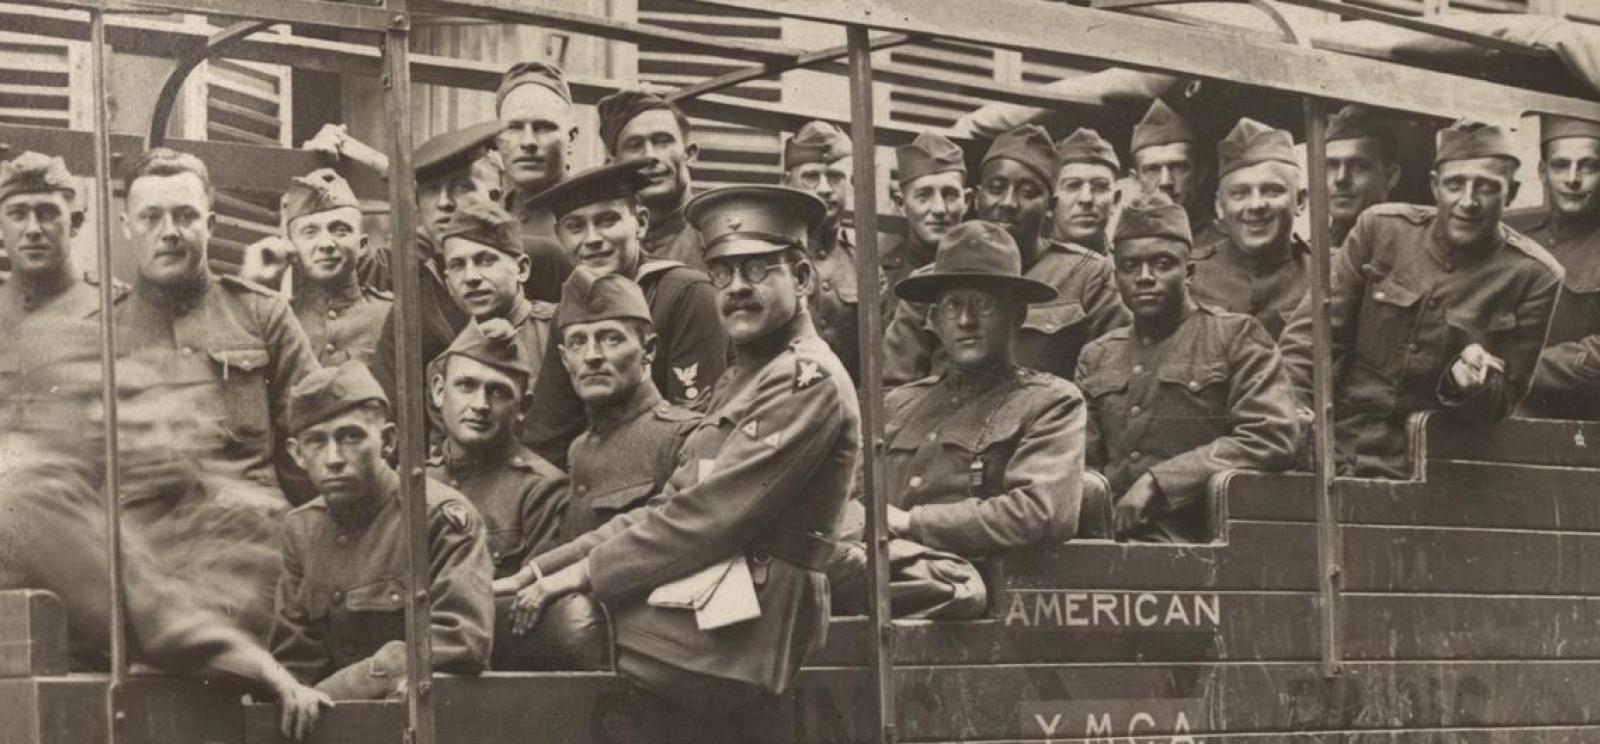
(641, 402)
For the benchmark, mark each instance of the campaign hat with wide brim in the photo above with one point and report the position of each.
(975, 254)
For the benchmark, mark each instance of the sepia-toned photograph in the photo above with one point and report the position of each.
(799, 372)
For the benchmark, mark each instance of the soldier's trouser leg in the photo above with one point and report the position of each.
(695, 707)
(572, 635)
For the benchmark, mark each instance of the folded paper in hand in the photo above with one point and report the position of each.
(720, 594)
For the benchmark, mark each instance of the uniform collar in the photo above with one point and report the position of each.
(1266, 262)
(764, 349)
(1187, 311)
(180, 297)
(828, 240)
(967, 381)
(642, 399)
(1450, 256)
(337, 295)
(912, 251)
(521, 310)
(664, 228)
(1562, 227)
(459, 461)
(38, 291)
(358, 516)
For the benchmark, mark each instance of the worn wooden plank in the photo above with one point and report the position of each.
(1519, 735)
(1259, 556)
(1531, 441)
(350, 721)
(33, 634)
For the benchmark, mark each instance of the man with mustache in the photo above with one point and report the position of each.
(322, 222)
(1167, 157)
(987, 455)
(1085, 190)
(480, 388)
(932, 198)
(1431, 309)
(818, 159)
(1184, 393)
(599, 220)
(38, 221)
(342, 594)
(639, 124)
(1259, 267)
(243, 335)
(534, 106)
(1565, 381)
(747, 518)
(1015, 190)
(1362, 165)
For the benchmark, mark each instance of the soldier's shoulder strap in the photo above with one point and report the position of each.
(240, 284)
(1531, 248)
(1415, 214)
(542, 310)
(378, 294)
(526, 460)
(666, 411)
(119, 288)
(656, 266)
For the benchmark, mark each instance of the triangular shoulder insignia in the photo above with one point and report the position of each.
(542, 310)
(239, 283)
(666, 411)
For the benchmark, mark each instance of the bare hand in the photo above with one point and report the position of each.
(1130, 513)
(1470, 372)
(508, 585)
(301, 706)
(532, 600)
(328, 142)
(899, 521)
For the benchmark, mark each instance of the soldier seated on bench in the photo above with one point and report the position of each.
(1183, 393)
(986, 455)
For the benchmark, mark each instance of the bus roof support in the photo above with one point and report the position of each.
(217, 44)
(409, 384)
(768, 69)
(873, 491)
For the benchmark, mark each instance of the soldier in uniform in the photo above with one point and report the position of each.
(932, 197)
(38, 221)
(342, 594)
(599, 221)
(987, 455)
(1168, 157)
(242, 334)
(639, 124)
(749, 512)
(1566, 384)
(1182, 394)
(1258, 267)
(535, 109)
(818, 159)
(1431, 308)
(1015, 187)
(1363, 165)
(1085, 190)
(322, 222)
(480, 388)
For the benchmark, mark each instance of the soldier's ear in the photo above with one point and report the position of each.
(805, 275)
(1511, 193)
(642, 214)
(1300, 199)
(691, 152)
(77, 221)
(436, 391)
(524, 268)
(649, 342)
(293, 445)
(391, 438)
(1392, 177)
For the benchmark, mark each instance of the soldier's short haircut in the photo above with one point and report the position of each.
(165, 161)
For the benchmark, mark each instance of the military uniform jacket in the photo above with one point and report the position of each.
(1211, 396)
(833, 305)
(1402, 307)
(1268, 288)
(766, 474)
(986, 465)
(691, 353)
(1052, 335)
(341, 596)
(342, 325)
(442, 320)
(899, 261)
(623, 460)
(550, 264)
(672, 238)
(247, 339)
(78, 300)
(1566, 384)
(520, 496)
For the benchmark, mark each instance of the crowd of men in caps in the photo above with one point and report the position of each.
(642, 406)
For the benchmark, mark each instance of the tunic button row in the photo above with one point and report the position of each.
(1194, 384)
(915, 482)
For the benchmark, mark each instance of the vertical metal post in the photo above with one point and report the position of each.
(408, 382)
(1329, 542)
(108, 365)
(877, 532)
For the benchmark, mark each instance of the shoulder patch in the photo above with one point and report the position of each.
(237, 283)
(668, 412)
(456, 514)
(807, 372)
(542, 310)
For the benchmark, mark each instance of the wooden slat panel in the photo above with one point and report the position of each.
(33, 634)
(1536, 442)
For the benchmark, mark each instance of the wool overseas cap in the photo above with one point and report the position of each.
(1085, 145)
(452, 150)
(619, 108)
(816, 142)
(1560, 127)
(589, 296)
(1161, 126)
(928, 154)
(614, 181)
(1029, 145)
(1355, 121)
(752, 220)
(481, 221)
(330, 391)
(1252, 142)
(35, 173)
(1465, 140)
(493, 342)
(533, 73)
(975, 254)
(317, 191)
(1153, 216)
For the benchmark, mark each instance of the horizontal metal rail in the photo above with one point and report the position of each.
(1147, 44)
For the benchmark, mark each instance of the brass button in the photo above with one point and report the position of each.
(1134, 455)
(583, 489)
(330, 347)
(827, 286)
(1194, 384)
(1412, 348)
(1135, 410)
(1378, 295)
(933, 435)
(333, 313)
(187, 351)
(1138, 369)
(338, 596)
(915, 482)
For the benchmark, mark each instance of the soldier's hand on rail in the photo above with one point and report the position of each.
(899, 521)
(1132, 511)
(328, 142)
(1471, 369)
(300, 705)
(514, 583)
(534, 598)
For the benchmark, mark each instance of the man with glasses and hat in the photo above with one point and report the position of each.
(1431, 308)
(1015, 191)
(1182, 394)
(716, 586)
(600, 220)
(987, 455)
